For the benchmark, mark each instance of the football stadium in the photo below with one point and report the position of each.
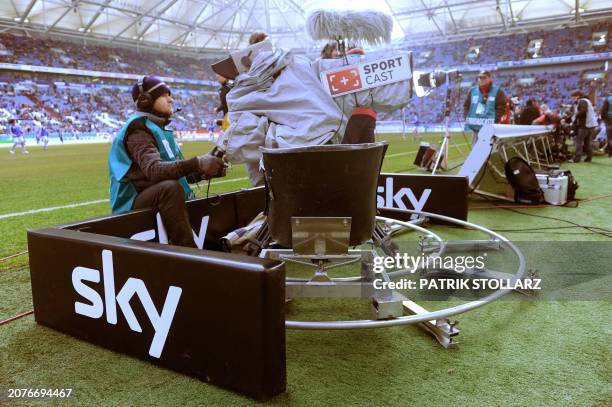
(211, 202)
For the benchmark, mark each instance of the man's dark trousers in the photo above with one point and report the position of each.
(168, 197)
(584, 140)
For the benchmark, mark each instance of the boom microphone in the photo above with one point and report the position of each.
(372, 27)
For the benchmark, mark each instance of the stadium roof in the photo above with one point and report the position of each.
(208, 26)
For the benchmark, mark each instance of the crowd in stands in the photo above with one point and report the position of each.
(71, 107)
(102, 108)
(81, 106)
(514, 47)
(78, 55)
(63, 54)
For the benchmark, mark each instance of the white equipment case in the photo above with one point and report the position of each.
(554, 187)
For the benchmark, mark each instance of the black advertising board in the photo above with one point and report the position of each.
(440, 194)
(210, 218)
(216, 316)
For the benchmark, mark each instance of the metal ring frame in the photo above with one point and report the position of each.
(429, 316)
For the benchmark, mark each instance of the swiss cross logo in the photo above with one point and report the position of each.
(344, 81)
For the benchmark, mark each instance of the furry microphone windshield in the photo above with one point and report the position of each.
(372, 27)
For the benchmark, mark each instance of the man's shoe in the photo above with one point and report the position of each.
(12, 152)
(571, 160)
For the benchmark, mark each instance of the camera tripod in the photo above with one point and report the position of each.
(442, 155)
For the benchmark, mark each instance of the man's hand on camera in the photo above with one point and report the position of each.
(211, 167)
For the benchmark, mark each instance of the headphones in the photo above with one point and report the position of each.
(144, 101)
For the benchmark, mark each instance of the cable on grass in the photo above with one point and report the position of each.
(512, 206)
(593, 229)
(550, 228)
(595, 198)
(589, 228)
(544, 232)
(456, 166)
(13, 256)
(17, 268)
(16, 317)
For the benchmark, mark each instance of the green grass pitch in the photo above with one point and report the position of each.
(515, 353)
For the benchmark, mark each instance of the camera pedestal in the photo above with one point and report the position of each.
(385, 303)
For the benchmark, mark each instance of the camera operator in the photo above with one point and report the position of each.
(585, 123)
(606, 116)
(531, 112)
(330, 51)
(485, 104)
(147, 168)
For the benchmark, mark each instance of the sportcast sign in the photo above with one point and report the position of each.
(367, 75)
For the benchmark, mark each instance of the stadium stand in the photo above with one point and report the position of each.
(491, 50)
(32, 51)
(100, 105)
(35, 51)
(93, 108)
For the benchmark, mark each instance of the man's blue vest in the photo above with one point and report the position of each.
(481, 113)
(122, 191)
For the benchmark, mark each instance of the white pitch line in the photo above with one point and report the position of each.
(74, 205)
(53, 208)
(229, 180)
(416, 151)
